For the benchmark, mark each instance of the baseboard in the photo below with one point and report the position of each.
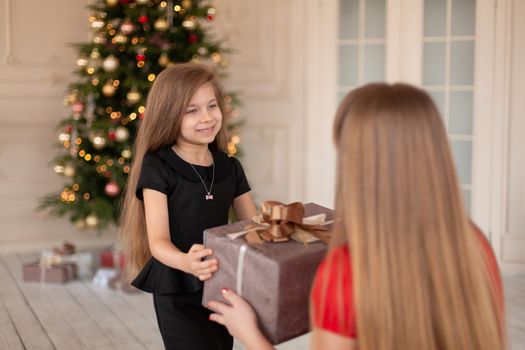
(81, 243)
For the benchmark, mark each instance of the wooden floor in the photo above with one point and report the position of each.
(80, 315)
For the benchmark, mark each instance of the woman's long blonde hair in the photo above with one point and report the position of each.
(420, 276)
(167, 101)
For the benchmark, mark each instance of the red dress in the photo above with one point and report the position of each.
(337, 313)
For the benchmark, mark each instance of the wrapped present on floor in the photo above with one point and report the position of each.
(43, 271)
(84, 262)
(272, 263)
(112, 258)
(67, 253)
(104, 275)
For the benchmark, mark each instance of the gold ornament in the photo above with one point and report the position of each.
(99, 142)
(126, 153)
(70, 98)
(69, 170)
(161, 25)
(110, 64)
(108, 89)
(92, 220)
(216, 57)
(164, 60)
(112, 3)
(142, 2)
(134, 96)
(186, 3)
(80, 224)
(121, 134)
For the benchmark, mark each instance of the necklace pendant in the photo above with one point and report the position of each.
(209, 197)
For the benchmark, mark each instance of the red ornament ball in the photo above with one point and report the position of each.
(141, 115)
(143, 19)
(140, 57)
(112, 189)
(210, 17)
(68, 128)
(111, 135)
(193, 38)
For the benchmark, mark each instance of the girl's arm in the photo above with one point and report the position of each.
(160, 245)
(244, 207)
(322, 339)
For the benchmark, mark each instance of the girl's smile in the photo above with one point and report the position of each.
(206, 131)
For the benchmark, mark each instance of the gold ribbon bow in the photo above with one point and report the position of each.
(278, 221)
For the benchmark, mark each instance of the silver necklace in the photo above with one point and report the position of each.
(208, 196)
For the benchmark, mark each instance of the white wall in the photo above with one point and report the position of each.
(288, 94)
(35, 67)
(510, 120)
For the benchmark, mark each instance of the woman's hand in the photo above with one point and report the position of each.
(192, 262)
(240, 319)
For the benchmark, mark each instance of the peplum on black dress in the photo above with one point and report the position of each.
(183, 322)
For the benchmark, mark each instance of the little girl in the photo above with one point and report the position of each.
(180, 184)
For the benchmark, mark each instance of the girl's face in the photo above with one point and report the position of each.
(202, 118)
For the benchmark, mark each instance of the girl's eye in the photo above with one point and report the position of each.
(214, 105)
(191, 111)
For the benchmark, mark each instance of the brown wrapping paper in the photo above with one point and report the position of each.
(276, 277)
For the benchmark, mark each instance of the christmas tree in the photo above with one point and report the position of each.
(133, 41)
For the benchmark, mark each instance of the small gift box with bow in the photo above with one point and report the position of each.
(271, 262)
(48, 270)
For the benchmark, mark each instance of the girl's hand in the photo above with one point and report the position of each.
(193, 263)
(240, 319)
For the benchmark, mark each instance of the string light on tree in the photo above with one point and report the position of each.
(134, 96)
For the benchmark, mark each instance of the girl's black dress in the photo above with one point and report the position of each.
(183, 321)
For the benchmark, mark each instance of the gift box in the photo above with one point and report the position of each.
(55, 273)
(83, 261)
(275, 278)
(112, 259)
(104, 275)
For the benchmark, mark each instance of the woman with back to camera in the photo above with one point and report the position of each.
(406, 269)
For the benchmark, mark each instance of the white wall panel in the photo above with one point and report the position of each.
(35, 67)
(514, 238)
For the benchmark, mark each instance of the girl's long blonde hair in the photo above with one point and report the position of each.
(167, 101)
(420, 276)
